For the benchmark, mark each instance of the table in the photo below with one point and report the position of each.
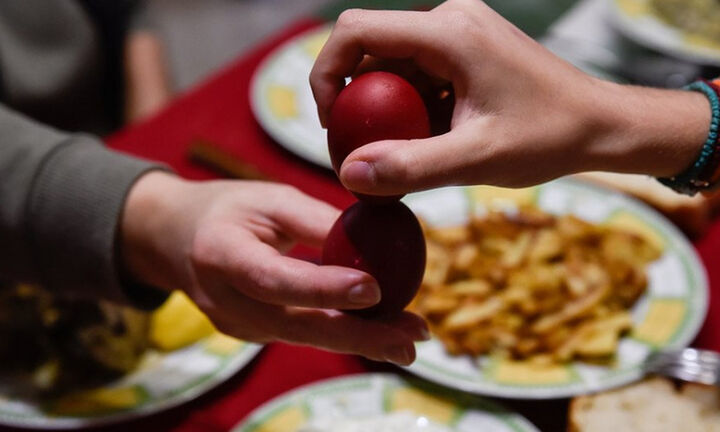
(219, 111)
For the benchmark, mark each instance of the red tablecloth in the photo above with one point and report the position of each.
(219, 111)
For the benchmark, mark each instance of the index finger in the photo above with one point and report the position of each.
(260, 272)
(383, 34)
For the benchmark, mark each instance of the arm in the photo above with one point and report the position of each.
(60, 196)
(521, 116)
(147, 83)
(76, 217)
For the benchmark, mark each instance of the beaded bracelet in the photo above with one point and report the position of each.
(698, 176)
(712, 174)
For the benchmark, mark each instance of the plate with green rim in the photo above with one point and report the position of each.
(668, 315)
(282, 101)
(640, 21)
(374, 395)
(162, 381)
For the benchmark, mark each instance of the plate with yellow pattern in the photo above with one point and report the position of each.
(668, 315)
(186, 358)
(687, 29)
(282, 101)
(374, 402)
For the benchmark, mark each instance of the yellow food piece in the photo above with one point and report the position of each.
(178, 323)
(419, 402)
(662, 321)
(287, 420)
(630, 223)
(495, 197)
(93, 402)
(219, 343)
(314, 44)
(529, 372)
(282, 101)
(634, 8)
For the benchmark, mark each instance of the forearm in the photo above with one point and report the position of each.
(62, 196)
(648, 131)
(23, 148)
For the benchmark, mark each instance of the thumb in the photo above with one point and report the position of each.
(395, 167)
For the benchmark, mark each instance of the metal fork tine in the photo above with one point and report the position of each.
(690, 364)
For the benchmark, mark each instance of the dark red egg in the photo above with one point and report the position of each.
(375, 106)
(385, 241)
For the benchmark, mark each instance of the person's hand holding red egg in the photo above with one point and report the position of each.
(521, 115)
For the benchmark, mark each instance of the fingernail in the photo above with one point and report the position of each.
(359, 172)
(364, 294)
(399, 354)
(418, 333)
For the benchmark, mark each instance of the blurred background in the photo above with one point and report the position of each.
(201, 37)
(239, 126)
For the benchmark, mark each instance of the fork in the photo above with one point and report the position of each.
(689, 364)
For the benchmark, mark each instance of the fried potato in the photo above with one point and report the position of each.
(533, 286)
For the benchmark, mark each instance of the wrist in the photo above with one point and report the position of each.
(147, 230)
(648, 131)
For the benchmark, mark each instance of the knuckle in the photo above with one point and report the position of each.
(319, 297)
(401, 165)
(350, 19)
(288, 189)
(203, 250)
(282, 192)
(462, 22)
(262, 283)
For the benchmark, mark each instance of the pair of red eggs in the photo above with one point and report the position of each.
(378, 235)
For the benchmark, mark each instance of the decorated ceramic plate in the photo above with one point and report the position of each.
(669, 314)
(282, 101)
(189, 359)
(639, 20)
(371, 401)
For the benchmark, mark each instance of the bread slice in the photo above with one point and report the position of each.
(691, 214)
(653, 405)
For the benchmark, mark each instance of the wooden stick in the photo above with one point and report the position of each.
(210, 156)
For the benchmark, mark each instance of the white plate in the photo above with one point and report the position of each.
(367, 395)
(163, 381)
(669, 315)
(636, 20)
(282, 101)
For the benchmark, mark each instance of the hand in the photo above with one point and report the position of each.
(521, 115)
(222, 243)
(147, 82)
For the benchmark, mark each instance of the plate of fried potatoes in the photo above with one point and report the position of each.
(551, 291)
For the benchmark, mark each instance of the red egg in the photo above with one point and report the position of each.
(375, 106)
(385, 241)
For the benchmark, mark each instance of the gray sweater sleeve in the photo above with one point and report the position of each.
(61, 197)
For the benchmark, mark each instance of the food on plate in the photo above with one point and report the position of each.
(402, 421)
(375, 106)
(53, 344)
(692, 214)
(528, 285)
(178, 323)
(385, 241)
(653, 405)
(698, 17)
